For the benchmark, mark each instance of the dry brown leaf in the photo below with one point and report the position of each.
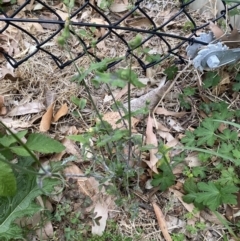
(29, 6)
(46, 119)
(90, 187)
(27, 108)
(38, 6)
(151, 139)
(86, 185)
(166, 135)
(174, 125)
(189, 206)
(46, 232)
(99, 33)
(138, 22)
(161, 222)
(123, 91)
(218, 33)
(193, 160)
(118, 7)
(173, 221)
(71, 148)
(222, 86)
(37, 26)
(48, 25)
(233, 39)
(171, 141)
(163, 111)
(101, 210)
(65, 15)
(162, 127)
(61, 112)
(7, 72)
(113, 117)
(211, 217)
(16, 124)
(233, 211)
(3, 109)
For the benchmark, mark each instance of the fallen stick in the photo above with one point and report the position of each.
(161, 222)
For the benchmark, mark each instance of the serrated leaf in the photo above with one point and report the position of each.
(8, 185)
(199, 171)
(7, 140)
(44, 144)
(213, 195)
(226, 148)
(236, 153)
(228, 176)
(190, 197)
(171, 71)
(188, 139)
(190, 186)
(165, 179)
(212, 79)
(189, 91)
(229, 135)
(20, 151)
(206, 132)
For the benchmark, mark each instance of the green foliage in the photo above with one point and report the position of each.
(134, 43)
(236, 85)
(21, 204)
(165, 178)
(211, 79)
(223, 182)
(35, 142)
(105, 4)
(178, 237)
(43, 144)
(205, 133)
(171, 72)
(8, 184)
(20, 183)
(188, 25)
(80, 103)
(232, 1)
(210, 194)
(97, 67)
(184, 97)
(151, 57)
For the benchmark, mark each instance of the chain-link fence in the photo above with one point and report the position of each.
(10, 18)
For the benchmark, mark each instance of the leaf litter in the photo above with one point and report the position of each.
(33, 78)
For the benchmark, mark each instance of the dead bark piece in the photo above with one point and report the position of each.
(161, 222)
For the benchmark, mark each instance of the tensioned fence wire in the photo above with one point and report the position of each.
(112, 29)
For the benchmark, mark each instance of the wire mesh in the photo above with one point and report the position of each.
(155, 31)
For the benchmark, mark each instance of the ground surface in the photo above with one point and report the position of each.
(38, 81)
